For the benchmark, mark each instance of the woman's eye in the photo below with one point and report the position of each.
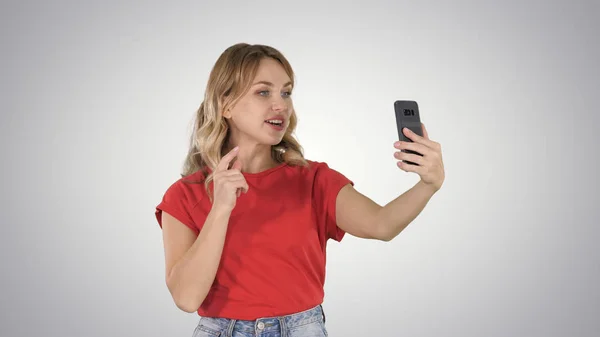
(266, 93)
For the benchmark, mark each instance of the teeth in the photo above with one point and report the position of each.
(275, 122)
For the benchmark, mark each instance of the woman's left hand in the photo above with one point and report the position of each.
(430, 165)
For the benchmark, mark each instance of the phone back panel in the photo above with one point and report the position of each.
(407, 116)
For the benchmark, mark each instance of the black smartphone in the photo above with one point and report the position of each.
(408, 116)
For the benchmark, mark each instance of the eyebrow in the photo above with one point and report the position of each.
(270, 84)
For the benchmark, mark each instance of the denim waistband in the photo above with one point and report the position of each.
(266, 324)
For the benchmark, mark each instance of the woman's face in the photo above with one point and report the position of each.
(262, 115)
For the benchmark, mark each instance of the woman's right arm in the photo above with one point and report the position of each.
(192, 261)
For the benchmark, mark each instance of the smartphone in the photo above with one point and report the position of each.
(408, 116)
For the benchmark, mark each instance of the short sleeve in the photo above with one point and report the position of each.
(178, 202)
(328, 183)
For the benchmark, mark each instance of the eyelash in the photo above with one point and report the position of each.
(289, 93)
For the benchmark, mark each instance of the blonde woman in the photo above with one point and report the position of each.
(246, 226)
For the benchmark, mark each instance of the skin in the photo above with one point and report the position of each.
(192, 261)
(360, 216)
(269, 95)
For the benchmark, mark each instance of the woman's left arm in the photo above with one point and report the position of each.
(360, 216)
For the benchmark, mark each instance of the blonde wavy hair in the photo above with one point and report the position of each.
(230, 78)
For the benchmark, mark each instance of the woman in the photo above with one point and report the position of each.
(245, 228)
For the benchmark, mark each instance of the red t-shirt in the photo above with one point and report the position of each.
(273, 260)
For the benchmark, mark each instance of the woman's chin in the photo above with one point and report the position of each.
(273, 139)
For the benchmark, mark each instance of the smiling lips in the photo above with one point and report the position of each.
(276, 123)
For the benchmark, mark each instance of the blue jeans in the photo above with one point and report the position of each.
(309, 323)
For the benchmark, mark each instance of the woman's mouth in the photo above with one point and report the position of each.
(276, 124)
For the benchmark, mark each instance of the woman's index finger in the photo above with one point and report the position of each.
(224, 163)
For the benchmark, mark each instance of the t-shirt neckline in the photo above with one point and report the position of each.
(261, 173)
(264, 172)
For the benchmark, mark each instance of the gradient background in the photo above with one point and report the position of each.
(97, 103)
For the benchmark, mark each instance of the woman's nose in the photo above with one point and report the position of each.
(279, 104)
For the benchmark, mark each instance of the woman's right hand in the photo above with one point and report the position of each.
(228, 182)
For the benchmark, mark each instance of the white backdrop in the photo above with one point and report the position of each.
(97, 103)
